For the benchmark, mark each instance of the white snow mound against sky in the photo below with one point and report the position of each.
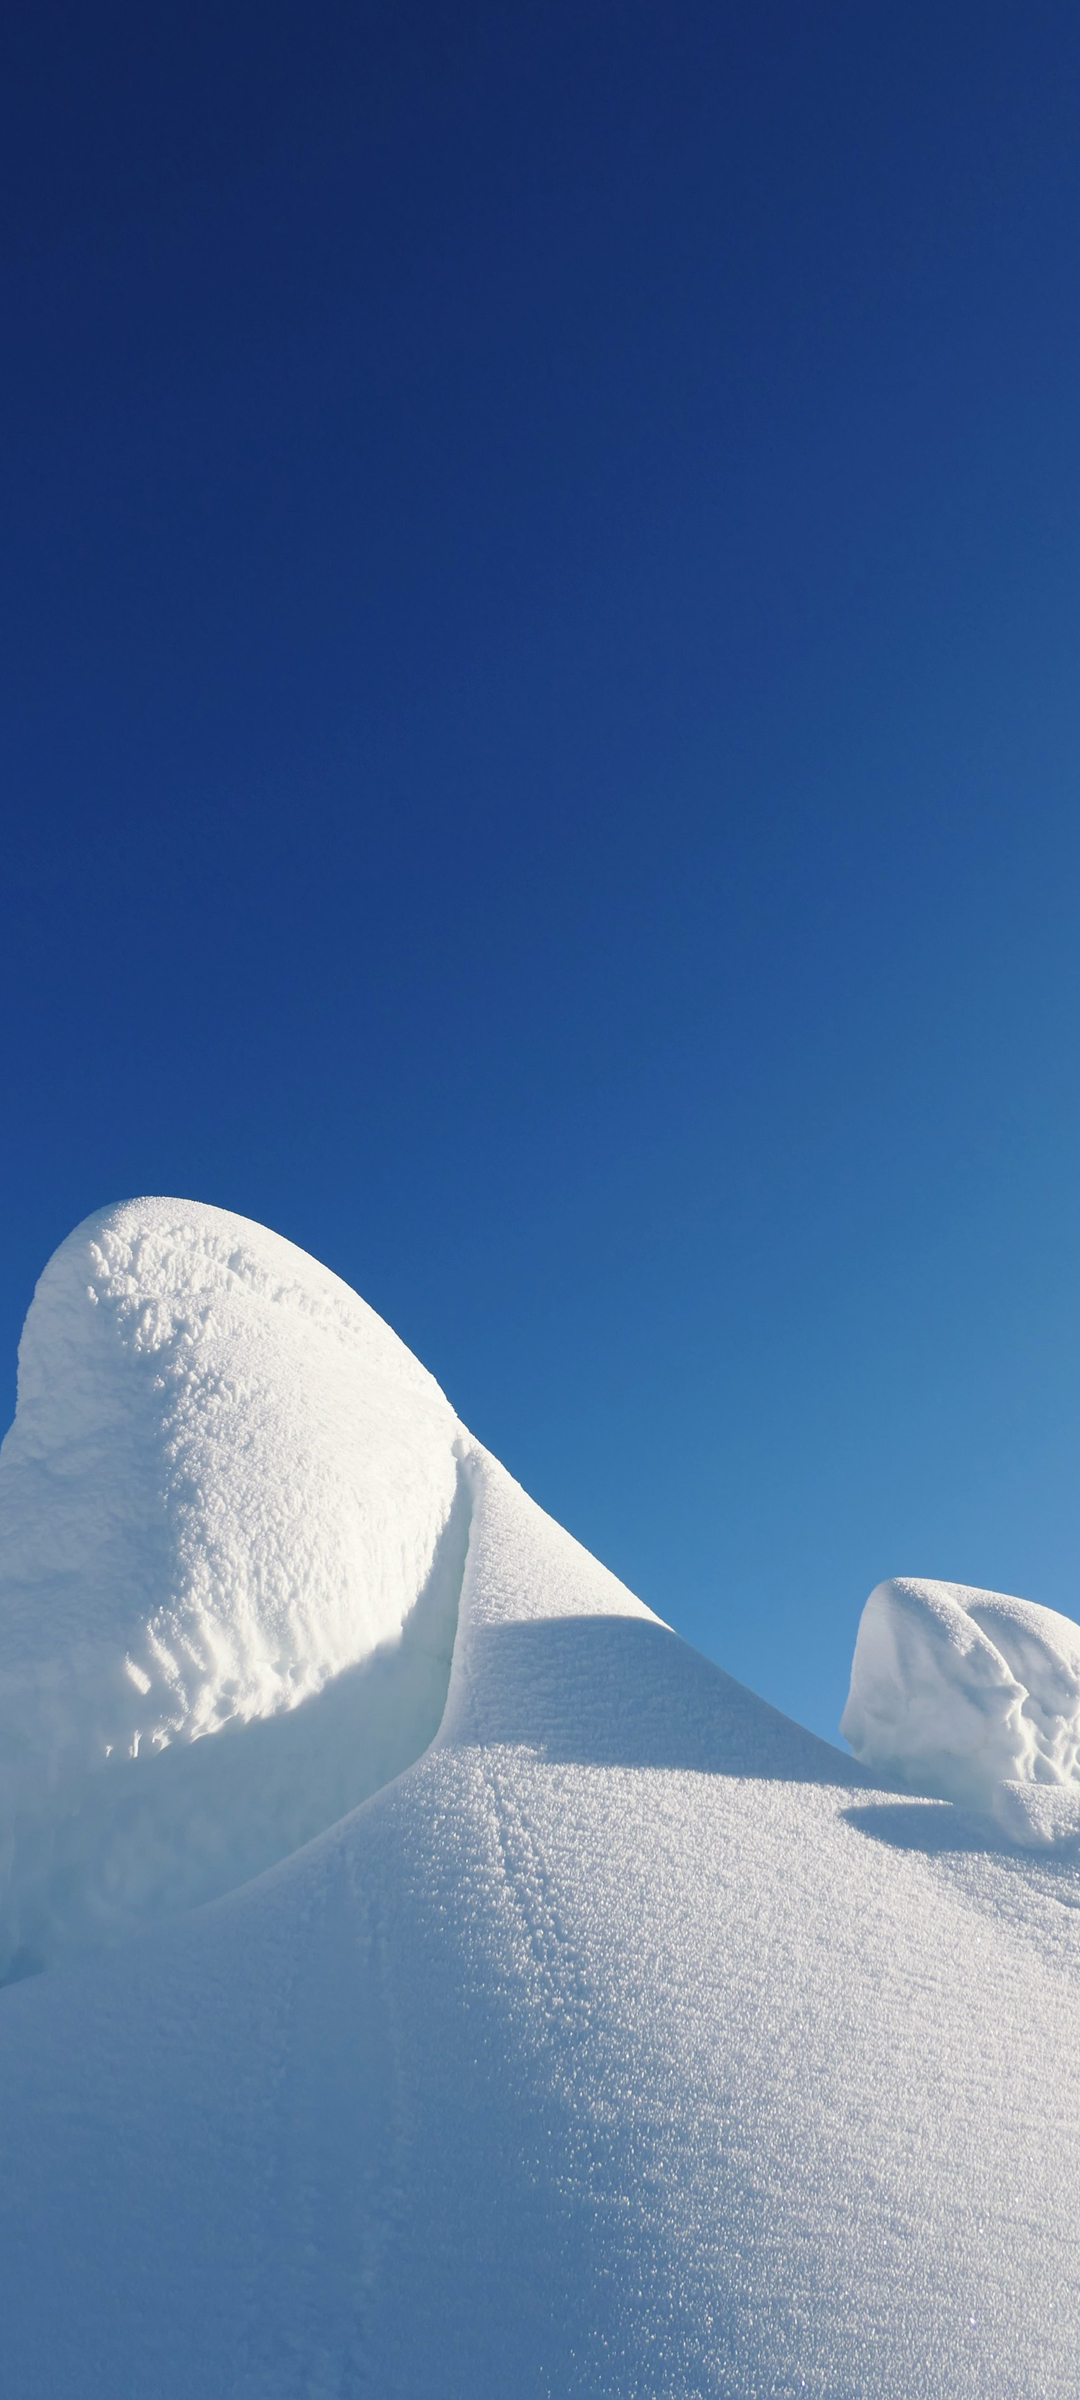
(974, 1696)
(625, 2042)
(227, 1488)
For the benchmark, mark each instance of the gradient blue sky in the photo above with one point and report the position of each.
(541, 732)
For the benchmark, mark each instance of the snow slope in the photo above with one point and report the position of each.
(630, 2043)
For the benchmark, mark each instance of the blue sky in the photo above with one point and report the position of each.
(540, 736)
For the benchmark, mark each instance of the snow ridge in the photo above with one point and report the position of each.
(228, 1491)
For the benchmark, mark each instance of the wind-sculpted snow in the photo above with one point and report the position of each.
(630, 2045)
(227, 1490)
(973, 1696)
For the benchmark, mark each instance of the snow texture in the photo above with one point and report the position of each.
(227, 1488)
(631, 2044)
(975, 1697)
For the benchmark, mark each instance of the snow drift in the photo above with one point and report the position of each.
(227, 1491)
(973, 1696)
(630, 2042)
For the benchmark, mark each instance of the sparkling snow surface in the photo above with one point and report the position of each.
(630, 2043)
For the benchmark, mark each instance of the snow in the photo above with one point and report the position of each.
(630, 2044)
(227, 1489)
(973, 1696)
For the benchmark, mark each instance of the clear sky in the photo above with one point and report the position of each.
(541, 731)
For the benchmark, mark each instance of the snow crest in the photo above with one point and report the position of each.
(228, 1489)
(971, 1696)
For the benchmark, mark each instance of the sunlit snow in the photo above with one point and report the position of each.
(227, 1489)
(629, 2043)
(974, 1696)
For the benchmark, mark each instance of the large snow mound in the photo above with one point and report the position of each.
(228, 1490)
(631, 2042)
(972, 1696)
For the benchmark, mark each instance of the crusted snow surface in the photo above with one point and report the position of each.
(632, 2044)
(227, 1490)
(974, 1696)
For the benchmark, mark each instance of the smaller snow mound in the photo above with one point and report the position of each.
(971, 1696)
